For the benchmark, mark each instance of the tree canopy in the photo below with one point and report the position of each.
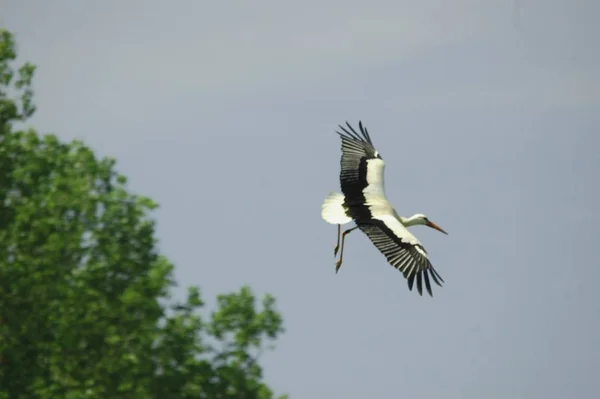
(85, 309)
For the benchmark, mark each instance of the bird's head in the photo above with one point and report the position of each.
(419, 218)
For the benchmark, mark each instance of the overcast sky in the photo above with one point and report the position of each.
(486, 113)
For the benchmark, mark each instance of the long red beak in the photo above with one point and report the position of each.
(435, 226)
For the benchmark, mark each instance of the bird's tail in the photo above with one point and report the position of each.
(333, 211)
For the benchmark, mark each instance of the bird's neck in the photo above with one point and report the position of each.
(411, 221)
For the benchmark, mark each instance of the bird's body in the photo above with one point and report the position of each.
(363, 201)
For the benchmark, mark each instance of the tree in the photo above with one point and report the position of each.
(83, 288)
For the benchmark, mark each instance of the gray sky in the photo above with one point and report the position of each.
(487, 114)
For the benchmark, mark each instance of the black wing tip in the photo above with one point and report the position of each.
(364, 131)
(436, 276)
(424, 275)
(350, 132)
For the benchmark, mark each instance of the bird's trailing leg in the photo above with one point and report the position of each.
(339, 262)
(337, 246)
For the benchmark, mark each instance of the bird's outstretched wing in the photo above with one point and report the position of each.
(402, 250)
(362, 168)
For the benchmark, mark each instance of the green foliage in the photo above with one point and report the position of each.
(82, 286)
(9, 109)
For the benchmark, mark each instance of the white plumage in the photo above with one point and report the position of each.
(333, 209)
(364, 202)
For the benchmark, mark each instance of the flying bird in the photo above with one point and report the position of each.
(363, 201)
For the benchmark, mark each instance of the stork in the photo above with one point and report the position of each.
(363, 201)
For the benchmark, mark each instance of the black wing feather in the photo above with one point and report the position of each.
(403, 256)
(357, 149)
